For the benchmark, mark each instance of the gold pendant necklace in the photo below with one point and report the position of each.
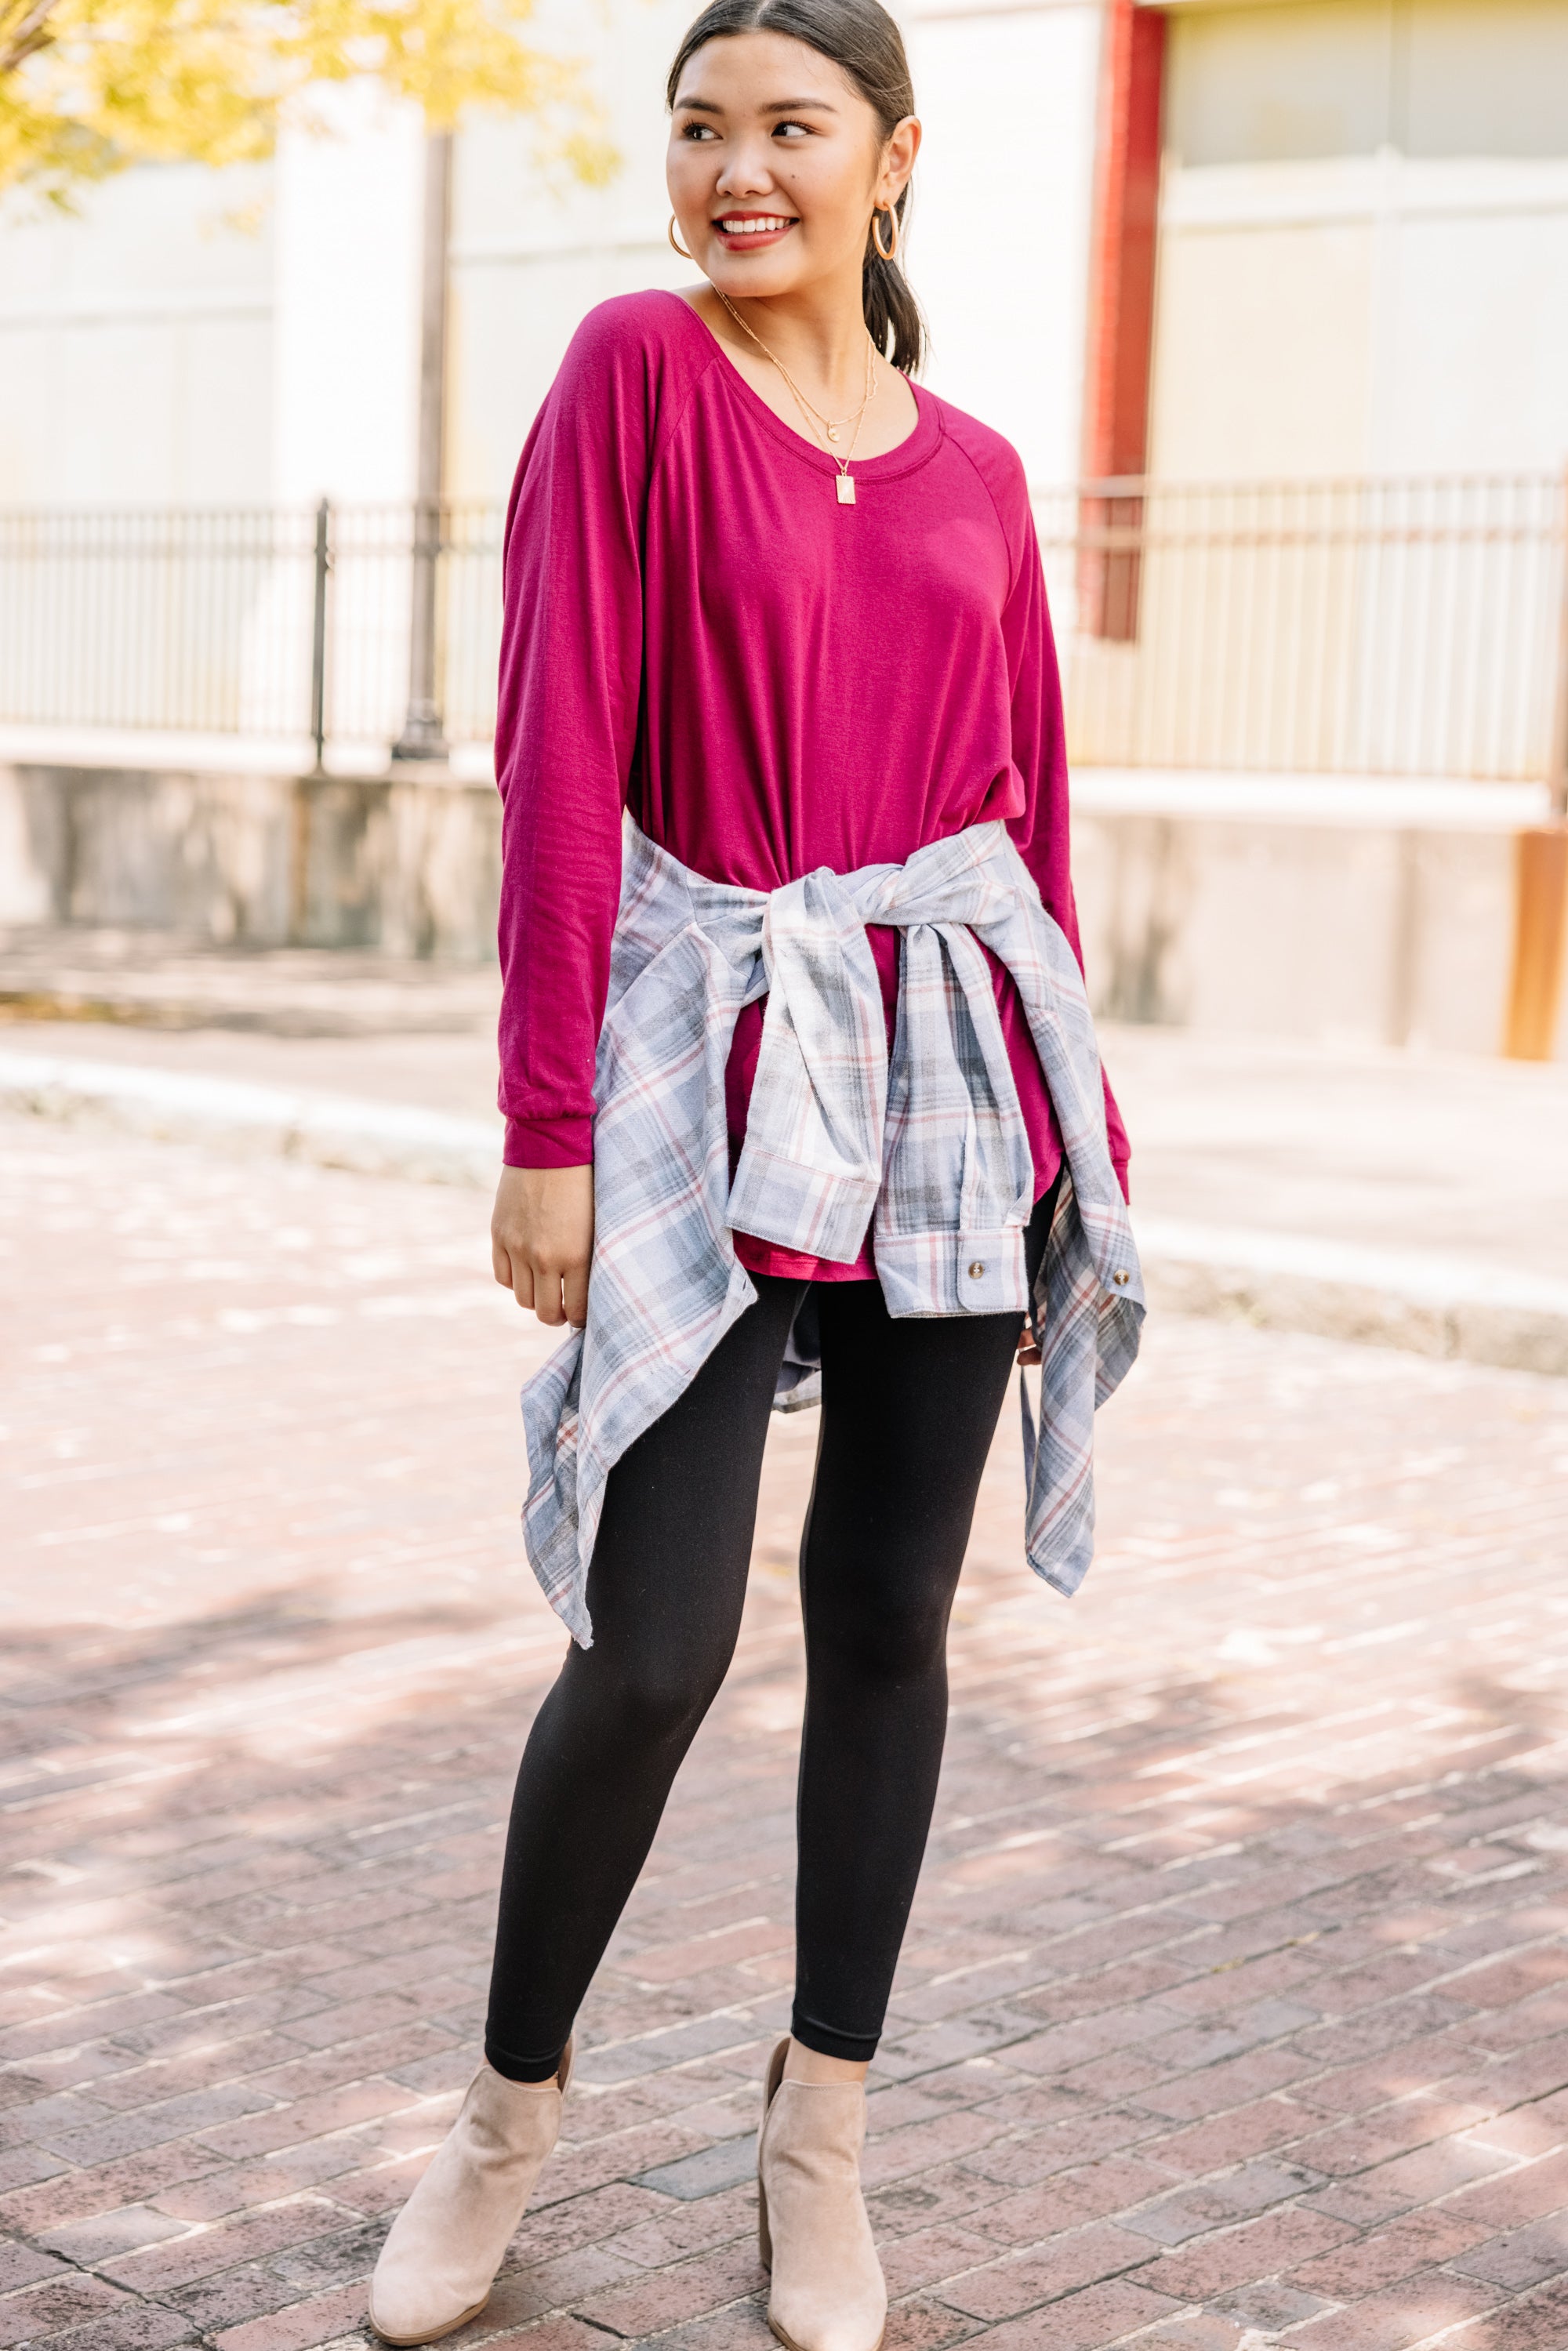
(843, 480)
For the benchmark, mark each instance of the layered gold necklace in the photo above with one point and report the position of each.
(829, 427)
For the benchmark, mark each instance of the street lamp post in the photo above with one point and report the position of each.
(421, 737)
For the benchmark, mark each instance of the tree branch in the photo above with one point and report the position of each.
(24, 30)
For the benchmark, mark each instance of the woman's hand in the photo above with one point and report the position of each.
(541, 1240)
(1028, 1352)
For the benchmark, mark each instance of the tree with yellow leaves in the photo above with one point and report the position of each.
(88, 87)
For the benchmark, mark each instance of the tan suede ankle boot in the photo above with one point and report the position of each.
(829, 2294)
(439, 2261)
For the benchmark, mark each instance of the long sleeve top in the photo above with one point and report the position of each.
(694, 628)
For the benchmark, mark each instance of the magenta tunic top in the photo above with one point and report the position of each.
(695, 629)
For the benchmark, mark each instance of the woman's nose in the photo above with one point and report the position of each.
(747, 172)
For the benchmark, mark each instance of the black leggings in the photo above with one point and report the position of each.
(908, 1412)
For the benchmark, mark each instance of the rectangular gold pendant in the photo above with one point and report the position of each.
(846, 490)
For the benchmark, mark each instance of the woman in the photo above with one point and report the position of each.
(784, 610)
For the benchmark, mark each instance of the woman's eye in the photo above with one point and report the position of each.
(790, 131)
(698, 130)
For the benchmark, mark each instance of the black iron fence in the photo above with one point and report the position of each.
(290, 625)
(1370, 626)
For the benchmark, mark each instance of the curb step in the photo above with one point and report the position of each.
(351, 1131)
(1425, 1302)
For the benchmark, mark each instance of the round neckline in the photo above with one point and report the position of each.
(918, 445)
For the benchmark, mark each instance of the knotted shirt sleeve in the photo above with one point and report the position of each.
(1039, 751)
(566, 727)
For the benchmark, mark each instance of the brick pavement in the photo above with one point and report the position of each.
(1235, 2008)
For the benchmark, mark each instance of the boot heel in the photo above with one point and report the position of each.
(764, 2235)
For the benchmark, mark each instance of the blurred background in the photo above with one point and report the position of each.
(1272, 299)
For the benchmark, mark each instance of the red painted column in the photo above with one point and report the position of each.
(1121, 313)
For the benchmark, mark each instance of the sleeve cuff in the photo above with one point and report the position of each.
(549, 1142)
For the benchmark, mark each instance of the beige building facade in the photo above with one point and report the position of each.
(1363, 246)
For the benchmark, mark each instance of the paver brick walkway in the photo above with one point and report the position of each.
(1235, 2008)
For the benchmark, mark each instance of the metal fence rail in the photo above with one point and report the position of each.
(1395, 627)
(1387, 627)
(155, 619)
(273, 622)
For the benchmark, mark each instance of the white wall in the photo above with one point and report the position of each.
(151, 350)
(135, 342)
(201, 337)
(1364, 239)
(533, 250)
(1364, 264)
(997, 253)
(347, 239)
(1004, 189)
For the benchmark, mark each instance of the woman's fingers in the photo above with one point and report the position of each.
(556, 1296)
(561, 1295)
(541, 1240)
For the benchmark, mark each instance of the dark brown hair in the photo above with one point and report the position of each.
(862, 40)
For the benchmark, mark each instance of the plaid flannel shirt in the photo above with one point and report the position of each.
(929, 1149)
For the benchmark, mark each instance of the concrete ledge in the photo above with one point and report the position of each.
(372, 1138)
(1427, 1304)
(1348, 803)
(1344, 910)
(407, 863)
(1335, 932)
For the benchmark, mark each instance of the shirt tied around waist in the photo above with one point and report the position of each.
(928, 1147)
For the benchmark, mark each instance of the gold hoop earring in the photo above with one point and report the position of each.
(675, 241)
(887, 251)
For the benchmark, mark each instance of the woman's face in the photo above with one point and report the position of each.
(775, 162)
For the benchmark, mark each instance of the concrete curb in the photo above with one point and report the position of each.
(372, 1138)
(1425, 1303)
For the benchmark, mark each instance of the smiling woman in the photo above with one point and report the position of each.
(800, 1083)
(827, 44)
(783, 162)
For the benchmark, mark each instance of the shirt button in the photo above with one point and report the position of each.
(976, 1270)
(1121, 1279)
